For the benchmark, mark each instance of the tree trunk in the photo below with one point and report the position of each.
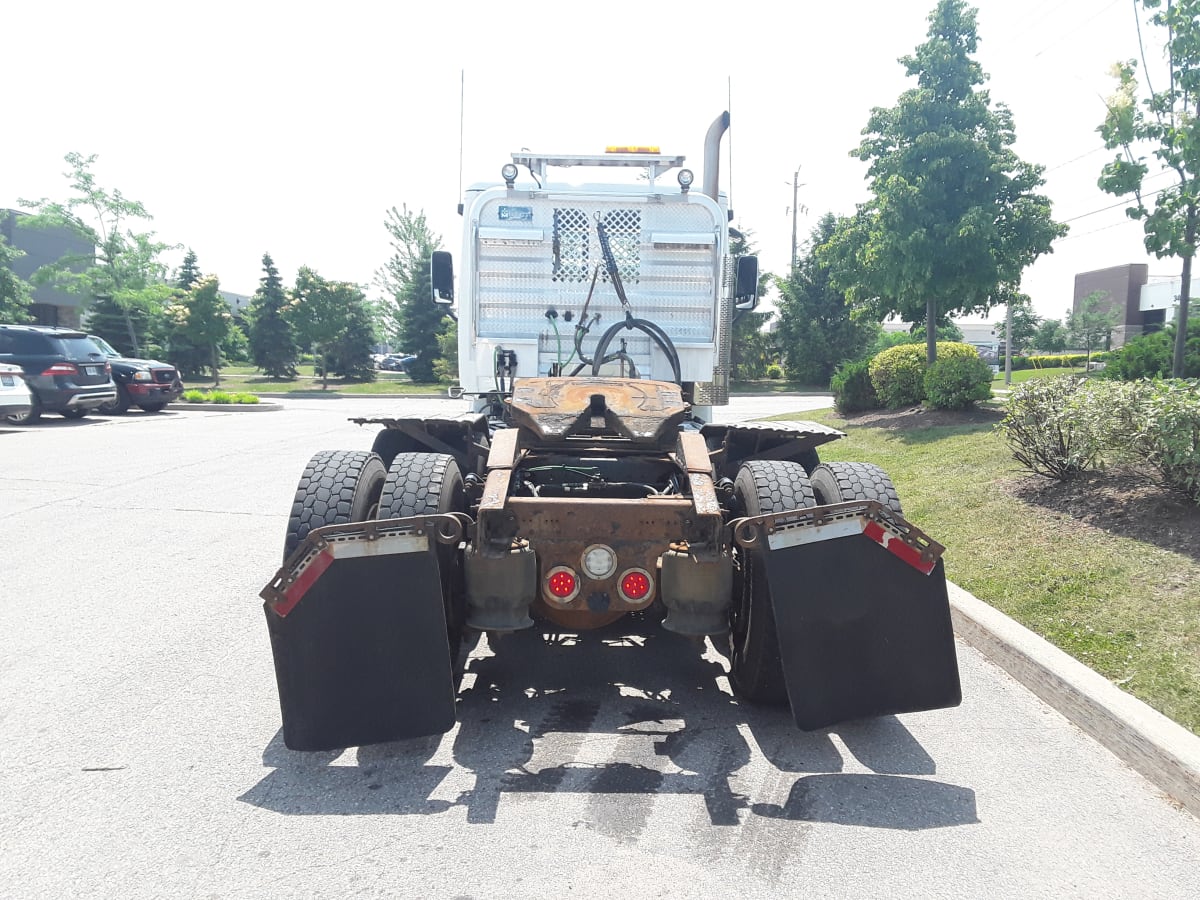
(1185, 293)
(931, 331)
(216, 364)
(137, 351)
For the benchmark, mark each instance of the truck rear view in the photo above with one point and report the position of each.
(586, 483)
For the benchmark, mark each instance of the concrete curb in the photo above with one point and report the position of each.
(225, 407)
(1164, 752)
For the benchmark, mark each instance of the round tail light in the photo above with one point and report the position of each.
(636, 585)
(561, 584)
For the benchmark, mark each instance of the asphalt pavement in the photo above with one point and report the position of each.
(141, 753)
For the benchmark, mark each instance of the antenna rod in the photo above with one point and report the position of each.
(462, 94)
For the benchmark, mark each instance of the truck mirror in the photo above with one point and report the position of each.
(745, 293)
(441, 273)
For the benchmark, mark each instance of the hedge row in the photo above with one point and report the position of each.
(899, 376)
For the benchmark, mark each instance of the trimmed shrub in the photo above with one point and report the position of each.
(957, 382)
(1172, 434)
(898, 373)
(774, 371)
(852, 388)
(1051, 428)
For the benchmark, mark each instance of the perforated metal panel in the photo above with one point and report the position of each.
(543, 252)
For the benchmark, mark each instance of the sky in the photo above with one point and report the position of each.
(291, 128)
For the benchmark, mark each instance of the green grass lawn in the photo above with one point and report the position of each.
(1022, 375)
(1126, 608)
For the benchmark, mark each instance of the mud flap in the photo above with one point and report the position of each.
(358, 632)
(861, 612)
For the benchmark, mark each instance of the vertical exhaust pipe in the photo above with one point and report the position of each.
(712, 154)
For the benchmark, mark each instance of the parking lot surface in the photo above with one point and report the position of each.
(141, 754)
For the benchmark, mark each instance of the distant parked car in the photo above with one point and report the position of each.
(145, 383)
(65, 371)
(15, 399)
(394, 362)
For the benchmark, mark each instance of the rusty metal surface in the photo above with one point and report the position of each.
(641, 411)
(699, 469)
(638, 531)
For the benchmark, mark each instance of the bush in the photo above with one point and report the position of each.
(774, 371)
(1051, 427)
(194, 396)
(957, 382)
(898, 373)
(852, 388)
(1152, 355)
(1172, 434)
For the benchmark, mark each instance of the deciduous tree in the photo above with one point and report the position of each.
(955, 216)
(125, 265)
(15, 292)
(405, 278)
(1168, 119)
(202, 319)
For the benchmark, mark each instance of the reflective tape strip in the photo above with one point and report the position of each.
(795, 537)
(895, 545)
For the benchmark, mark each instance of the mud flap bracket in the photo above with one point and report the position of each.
(861, 611)
(357, 623)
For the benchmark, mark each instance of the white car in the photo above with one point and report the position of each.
(14, 393)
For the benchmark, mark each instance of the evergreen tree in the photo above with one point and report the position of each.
(816, 330)
(113, 323)
(272, 339)
(351, 358)
(419, 321)
(955, 218)
(189, 272)
(751, 348)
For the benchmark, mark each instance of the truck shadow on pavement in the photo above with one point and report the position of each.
(628, 715)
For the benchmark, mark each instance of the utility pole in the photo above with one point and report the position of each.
(795, 211)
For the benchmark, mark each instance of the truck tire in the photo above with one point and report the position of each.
(337, 487)
(30, 416)
(421, 484)
(842, 482)
(390, 441)
(755, 667)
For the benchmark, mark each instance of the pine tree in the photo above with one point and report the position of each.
(189, 272)
(107, 319)
(352, 353)
(816, 330)
(272, 339)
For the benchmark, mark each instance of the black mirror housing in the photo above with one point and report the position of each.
(745, 292)
(441, 273)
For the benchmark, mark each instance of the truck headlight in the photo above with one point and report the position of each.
(142, 375)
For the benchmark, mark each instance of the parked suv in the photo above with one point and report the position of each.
(140, 382)
(65, 370)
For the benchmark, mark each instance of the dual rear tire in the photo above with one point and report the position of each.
(768, 486)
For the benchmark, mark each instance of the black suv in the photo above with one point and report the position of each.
(140, 382)
(65, 370)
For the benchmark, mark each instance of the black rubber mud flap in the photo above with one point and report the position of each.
(358, 632)
(861, 611)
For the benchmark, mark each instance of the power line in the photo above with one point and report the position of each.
(1114, 206)
(1071, 237)
(1075, 159)
(1082, 25)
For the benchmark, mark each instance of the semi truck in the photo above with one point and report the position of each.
(585, 481)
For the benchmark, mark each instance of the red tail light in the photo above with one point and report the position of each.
(562, 584)
(636, 585)
(62, 369)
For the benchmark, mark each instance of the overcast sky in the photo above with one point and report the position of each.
(292, 127)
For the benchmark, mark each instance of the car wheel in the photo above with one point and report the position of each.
(73, 413)
(755, 666)
(119, 405)
(26, 418)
